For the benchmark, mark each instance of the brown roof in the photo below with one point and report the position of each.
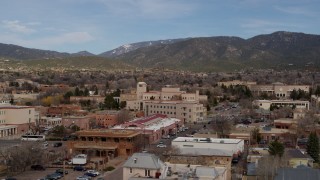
(108, 133)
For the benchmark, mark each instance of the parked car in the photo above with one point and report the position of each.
(60, 171)
(83, 178)
(94, 172)
(38, 167)
(79, 168)
(166, 137)
(57, 144)
(90, 174)
(10, 178)
(161, 146)
(54, 176)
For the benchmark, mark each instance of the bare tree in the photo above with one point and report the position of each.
(221, 126)
(123, 116)
(18, 158)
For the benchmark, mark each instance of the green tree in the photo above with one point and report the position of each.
(276, 148)
(256, 136)
(313, 146)
(110, 103)
(77, 92)
(294, 95)
(86, 92)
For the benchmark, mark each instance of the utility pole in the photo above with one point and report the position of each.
(64, 167)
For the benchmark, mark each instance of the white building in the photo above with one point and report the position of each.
(266, 104)
(144, 165)
(234, 146)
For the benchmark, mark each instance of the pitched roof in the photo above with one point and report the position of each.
(296, 153)
(304, 173)
(143, 160)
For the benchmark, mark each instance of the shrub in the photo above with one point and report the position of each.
(109, 168)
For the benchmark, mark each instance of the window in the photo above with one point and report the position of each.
(130, 170)
(146, 172)
(29, 111)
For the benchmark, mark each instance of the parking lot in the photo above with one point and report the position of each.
(34, 175)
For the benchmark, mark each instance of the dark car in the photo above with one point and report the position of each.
(57, 144)
(10, 178)
(60, 171)
(79, 168)
(52, 177)
(38, 167)
(90, 174)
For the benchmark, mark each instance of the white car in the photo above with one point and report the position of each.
(83, 178)
(93, 172)
(161, 146)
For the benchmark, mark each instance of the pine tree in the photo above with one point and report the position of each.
(276, 148)
(313, 146)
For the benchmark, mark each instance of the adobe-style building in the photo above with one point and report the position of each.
(107, 118)
(96, 99)
(236, 82)
(63, 110)
(16, 119)
(106, 143)
(153, 127)
(266, 104)
(169, 101)
(83, 122)
(46, 87)
(279, 90)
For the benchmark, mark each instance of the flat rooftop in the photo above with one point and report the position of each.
(207, 140)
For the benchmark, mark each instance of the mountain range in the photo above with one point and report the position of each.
(220, 53)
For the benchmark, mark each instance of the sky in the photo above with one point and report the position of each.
(101, 25)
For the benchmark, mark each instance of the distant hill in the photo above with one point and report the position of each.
(281, 50)
(83, 53)
(230, 53)
(22, 53)
(131, 47)
(73, 63)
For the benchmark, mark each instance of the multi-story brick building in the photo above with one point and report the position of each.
(107, 118)
(108, 143)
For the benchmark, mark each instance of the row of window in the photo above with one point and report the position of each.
(101, 119)
(103, 139)
(164, 112)
(164, 107)
(2, 112)
(2, 121)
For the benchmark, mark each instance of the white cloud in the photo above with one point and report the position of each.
(66, 38)
(48, 42)
(258, 23)
(296, 10)
(159, 9)
(17, 27)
